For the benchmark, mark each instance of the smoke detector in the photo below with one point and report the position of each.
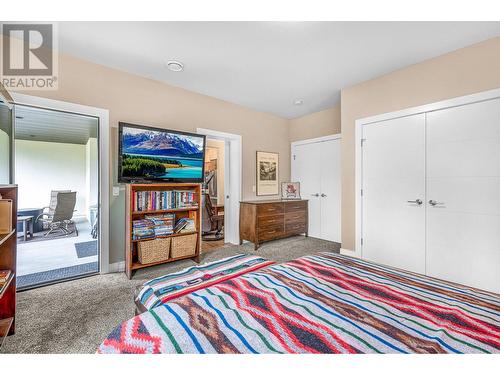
(175, 66)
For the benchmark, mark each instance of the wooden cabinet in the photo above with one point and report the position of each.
(8, 253)
(268, 220)
(173, 251)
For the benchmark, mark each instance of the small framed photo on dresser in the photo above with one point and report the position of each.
(290, 190)
(267, 173)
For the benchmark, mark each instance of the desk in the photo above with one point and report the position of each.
(219, 209)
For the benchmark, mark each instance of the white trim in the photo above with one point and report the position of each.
(104, 157)
(6, 101)
(449, 103)
(232, 204)
(316, 140)
(117, 267)
(349, 253)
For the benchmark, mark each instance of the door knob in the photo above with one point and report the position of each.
(416, 201)
(434, 203)
(323, 195)
(315, 195)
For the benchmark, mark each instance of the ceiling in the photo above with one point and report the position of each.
(268, 65)
(35, 124)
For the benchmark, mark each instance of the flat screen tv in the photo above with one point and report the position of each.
(153, 154)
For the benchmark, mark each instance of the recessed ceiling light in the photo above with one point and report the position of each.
(175, 66)
(298, 102)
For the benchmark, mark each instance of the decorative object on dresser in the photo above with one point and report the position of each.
(267, 220)
(154, 214)
(8, 251)
(290, 190)
(267, 173)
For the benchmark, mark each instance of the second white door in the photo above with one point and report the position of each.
(316, 165)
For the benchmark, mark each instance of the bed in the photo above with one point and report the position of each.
(323, 303)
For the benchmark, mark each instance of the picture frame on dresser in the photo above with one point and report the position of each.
(267, 173)
(290, 190)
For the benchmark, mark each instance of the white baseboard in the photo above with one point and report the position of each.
(117, 267)
(350, 253)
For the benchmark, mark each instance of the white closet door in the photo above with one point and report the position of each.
(330, 190)
(463, 177)
(393, 229)
(306, 169)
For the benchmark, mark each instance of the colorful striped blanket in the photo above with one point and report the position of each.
(326, 303)
(158, 291)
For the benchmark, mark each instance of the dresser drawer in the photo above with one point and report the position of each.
(297, 217)
(295, 228)
(295, 206)
(270, 209)
(270, 221)
(271, 233)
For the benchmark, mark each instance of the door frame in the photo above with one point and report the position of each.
(327, 138)
(233, 184)
(358, 139)
(104, 158)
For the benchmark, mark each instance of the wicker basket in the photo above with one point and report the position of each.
(183, 246)
(152, 251)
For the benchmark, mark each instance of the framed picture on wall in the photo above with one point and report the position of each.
(290, 190)
(267, 173)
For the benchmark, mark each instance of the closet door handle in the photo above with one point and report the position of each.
(323, 195)
(416, 201)
(434, 203)
(315, 195)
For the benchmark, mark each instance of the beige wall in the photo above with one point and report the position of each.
(472, 69)
(318, 124)
(143, 101)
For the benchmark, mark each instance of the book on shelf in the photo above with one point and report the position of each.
(163, 225)
(163, 200)
(4, 276)
(153, 226)
(185, 225)
(143, 229)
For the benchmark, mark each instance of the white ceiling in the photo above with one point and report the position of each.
(268, 65)
(35, 124)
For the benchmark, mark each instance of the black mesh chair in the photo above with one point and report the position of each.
(212, 224)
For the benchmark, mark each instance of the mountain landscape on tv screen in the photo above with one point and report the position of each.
(161, 144)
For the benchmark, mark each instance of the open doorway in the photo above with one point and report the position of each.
(56, 168)
(222, 189)
(213, 196)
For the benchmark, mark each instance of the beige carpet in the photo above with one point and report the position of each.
(75, 316)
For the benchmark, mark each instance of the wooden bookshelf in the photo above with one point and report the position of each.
(131, 245)
(8, 254)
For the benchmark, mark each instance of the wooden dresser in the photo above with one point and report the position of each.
(268, 220)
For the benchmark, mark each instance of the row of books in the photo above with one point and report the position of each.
(163, 200)
(4, 276)
(160, 226)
